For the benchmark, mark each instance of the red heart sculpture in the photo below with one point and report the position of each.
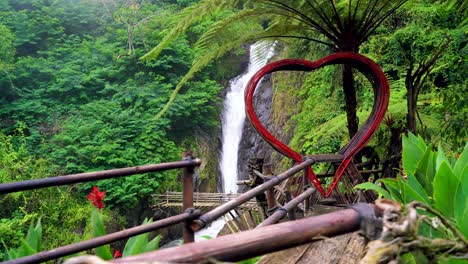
(381, 96)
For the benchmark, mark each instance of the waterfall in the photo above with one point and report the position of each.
(234, 114)
(233, 123)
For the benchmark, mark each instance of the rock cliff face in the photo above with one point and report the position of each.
(252, 144)
(275, 103)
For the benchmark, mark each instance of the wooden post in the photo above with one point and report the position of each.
(187, 182)
(288, 198)
(305, 181)
(270, 194)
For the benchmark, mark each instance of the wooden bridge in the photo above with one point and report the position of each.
(202, 201)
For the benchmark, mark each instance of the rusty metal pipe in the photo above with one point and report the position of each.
(278, 214)
(214, 214)
(256, 242)
(187, 199)
(103, 240)
(93, 176)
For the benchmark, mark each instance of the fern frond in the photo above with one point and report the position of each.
(187, 18)
(222, 25)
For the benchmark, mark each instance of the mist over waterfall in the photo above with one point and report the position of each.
(233, 122)
(234, 114)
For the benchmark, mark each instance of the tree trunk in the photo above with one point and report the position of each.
(411, 102)
(350, 100)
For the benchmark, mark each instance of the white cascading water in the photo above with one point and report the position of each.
(234, 114)
(233, 123)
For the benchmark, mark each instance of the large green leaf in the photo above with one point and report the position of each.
(445, 185)
(136, 245)
(461, 217)
(425, 170)
(372, 186)
(97, 230)
(10, 254)
(441, 158)
(418, 189)
(34, 236)
(153, 244)
(394, 188)
(25, 249)
(413, 150)
(461, 163)
(409, 194)
(460, 202)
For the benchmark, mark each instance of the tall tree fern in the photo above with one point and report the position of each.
(341, 25)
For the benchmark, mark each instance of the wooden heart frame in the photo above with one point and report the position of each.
(381, 97)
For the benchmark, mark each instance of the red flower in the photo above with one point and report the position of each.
(117, 254)
(95, 196)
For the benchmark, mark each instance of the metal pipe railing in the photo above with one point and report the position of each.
(103, 240)
(93, 176)
(214, 214)
(255, 242)
(281, 212)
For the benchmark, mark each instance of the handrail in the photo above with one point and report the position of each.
(214, 214)
(93, 176)
(191, 217)
(187, 164)
(104, 240)
(255, 242)
(280, 212)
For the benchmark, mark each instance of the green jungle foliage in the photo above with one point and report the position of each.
(401, 44)
(58, 208)
(75, 96)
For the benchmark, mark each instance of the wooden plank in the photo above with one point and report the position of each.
(354, 251)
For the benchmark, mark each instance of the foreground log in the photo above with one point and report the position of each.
(256, 242)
